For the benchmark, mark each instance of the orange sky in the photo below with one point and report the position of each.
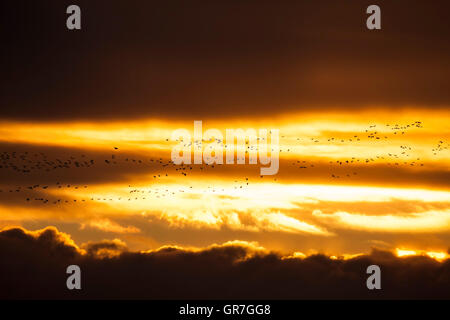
(347, 182)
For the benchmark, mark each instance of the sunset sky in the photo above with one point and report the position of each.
(363, 116)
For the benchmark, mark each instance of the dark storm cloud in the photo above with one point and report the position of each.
(33, 266)
(228, 58)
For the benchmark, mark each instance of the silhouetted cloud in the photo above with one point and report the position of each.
(33, 265)
(105, 248)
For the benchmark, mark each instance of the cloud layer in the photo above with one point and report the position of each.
(33, 266)
(201, 58)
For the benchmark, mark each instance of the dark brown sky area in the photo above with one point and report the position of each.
(134, 59)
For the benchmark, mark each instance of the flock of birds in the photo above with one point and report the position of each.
(39, 163)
